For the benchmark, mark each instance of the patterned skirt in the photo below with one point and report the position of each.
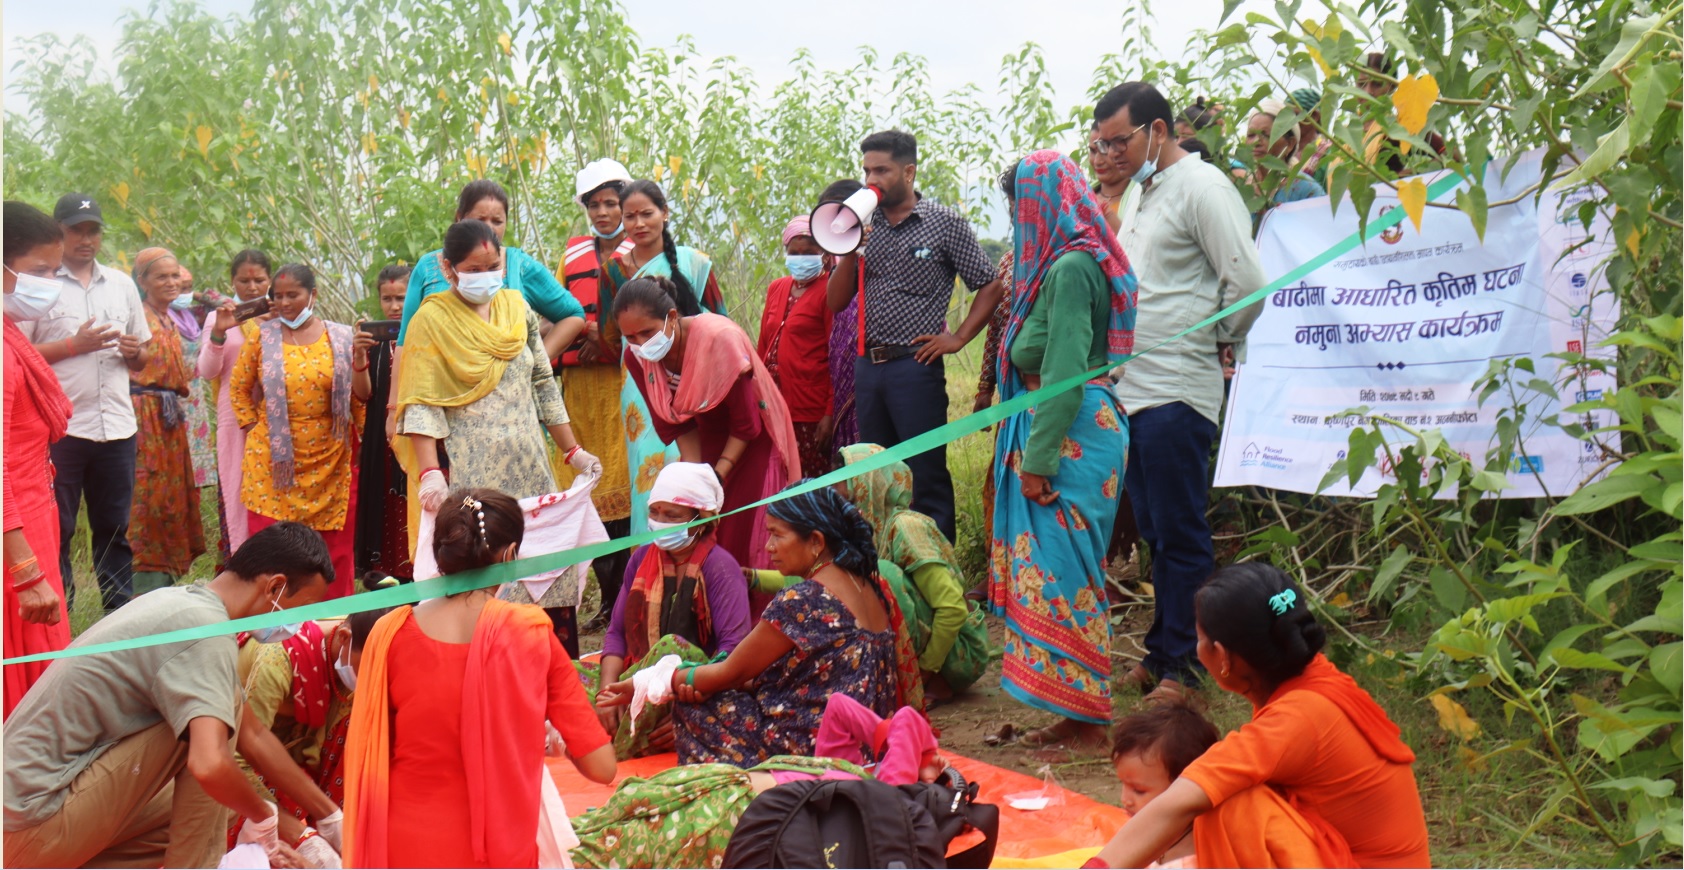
(1047, 571)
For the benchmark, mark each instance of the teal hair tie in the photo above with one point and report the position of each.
(1281, 602)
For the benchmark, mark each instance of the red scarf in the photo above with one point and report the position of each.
(312, 685)
(646, 598)
(40, 381)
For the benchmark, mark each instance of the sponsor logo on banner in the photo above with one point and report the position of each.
(1519, 464)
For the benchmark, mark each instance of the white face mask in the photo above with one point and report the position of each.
(33, 296)
(656, 348)
(347, 674)
(479, 287)
(295, 322)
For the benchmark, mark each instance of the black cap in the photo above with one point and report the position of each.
(76, 208)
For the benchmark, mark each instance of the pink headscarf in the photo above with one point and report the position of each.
(689, 484)
(796, 228)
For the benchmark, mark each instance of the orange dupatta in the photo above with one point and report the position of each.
(1323, 678)
(716, 353)
(504, 699)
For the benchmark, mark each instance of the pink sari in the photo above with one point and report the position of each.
(717, 354)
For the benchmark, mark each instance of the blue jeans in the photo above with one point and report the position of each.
(1168, 480)
(898, 401)
(104, 471)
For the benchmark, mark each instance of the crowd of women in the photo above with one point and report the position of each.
(737, 638)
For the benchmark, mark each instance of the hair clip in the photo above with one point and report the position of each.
(1281, 602)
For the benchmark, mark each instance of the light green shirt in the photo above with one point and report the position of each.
(82, 706)
(1191, 249)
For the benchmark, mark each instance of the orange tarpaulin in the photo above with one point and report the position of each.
(1079, 824)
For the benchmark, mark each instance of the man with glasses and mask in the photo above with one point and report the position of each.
(1188, 235)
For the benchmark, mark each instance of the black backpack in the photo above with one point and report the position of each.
(861, 823)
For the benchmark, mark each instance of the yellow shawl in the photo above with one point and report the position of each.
(452, 357)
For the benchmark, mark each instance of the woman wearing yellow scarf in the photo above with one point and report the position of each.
(475, 376)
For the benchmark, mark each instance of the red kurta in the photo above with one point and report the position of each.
(429, 775)
(30, 506)
(795, 346)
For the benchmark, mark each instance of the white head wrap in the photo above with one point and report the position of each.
(690, 484)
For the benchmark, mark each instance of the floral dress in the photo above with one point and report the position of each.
(779, 712)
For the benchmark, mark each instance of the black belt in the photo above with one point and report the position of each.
(883, 353)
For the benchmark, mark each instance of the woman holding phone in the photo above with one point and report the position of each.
(292, 392)
(226, 333)
(382, 538)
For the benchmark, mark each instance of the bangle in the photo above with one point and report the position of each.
(568, 457)
(30, 583)
(690, 676)
(69, 348)
(358, 368)
(728, 459)
(215, 340)
(425, 470)
(22, 564)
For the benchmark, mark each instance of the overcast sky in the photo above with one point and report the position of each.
(963, 39)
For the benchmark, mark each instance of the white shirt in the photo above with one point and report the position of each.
(1191, 248)
(97, 383)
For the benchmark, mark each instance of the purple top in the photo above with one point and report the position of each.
(727, 593)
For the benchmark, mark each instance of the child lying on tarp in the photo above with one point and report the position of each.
(1256, 828)
(684, 817)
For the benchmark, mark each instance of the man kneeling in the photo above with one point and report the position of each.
(123, 759)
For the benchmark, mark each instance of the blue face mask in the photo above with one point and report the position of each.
(302, 318)
(675, 539)
(804, 267)
(602, 235)
(276, 633)
(182, 302)
(1148, 168)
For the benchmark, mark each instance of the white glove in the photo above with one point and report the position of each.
(320, 853)
(332, 829)
(265, 833)
(432, 490)
(586, 464)
(554, 746)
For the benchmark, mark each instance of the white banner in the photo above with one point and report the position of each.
(1405, 325)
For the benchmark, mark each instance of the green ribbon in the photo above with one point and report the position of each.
(505, 572)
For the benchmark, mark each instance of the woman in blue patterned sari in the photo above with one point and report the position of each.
(1059, 466)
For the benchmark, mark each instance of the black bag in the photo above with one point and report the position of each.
(859, 823)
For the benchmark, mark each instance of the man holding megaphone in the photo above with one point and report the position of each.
(912, 249)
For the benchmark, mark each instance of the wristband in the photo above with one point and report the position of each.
(690, 677)
(728, 459)
(69, 347)
(37, 580)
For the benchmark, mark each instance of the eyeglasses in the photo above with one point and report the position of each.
(1106, 146)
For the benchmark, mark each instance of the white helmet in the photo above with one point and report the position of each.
(599, 173)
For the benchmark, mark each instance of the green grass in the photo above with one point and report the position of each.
(88, 607)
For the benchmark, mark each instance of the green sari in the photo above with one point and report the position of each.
(680, 817)
(626, 744)
(908, 541)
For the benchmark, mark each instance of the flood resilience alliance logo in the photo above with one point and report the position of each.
(1272, 458)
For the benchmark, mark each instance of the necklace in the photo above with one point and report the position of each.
(818, 566)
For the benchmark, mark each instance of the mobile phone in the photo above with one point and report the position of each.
(382, 330)
(254, 308)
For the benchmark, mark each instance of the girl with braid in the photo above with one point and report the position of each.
(654, 254)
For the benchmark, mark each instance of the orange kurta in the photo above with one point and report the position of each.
(321, 490)
(1356, 778)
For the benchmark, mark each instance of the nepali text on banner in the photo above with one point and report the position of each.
(1405, 325)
